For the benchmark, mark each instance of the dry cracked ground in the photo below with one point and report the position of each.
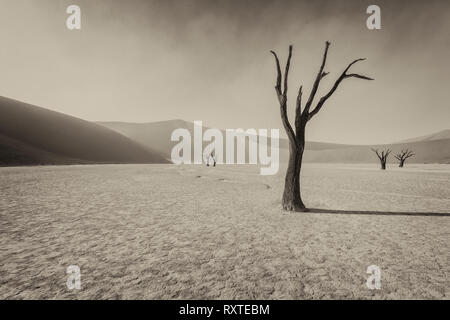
(191, 232)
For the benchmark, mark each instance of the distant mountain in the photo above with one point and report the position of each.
(444, 134)
(31, 135)
(157, 135)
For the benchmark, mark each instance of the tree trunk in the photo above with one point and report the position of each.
(292, 200)
(401, 163)
(383, 165)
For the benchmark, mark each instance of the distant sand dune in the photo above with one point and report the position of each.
(157, 135)
(34, 135)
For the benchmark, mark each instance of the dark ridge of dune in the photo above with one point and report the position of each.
(31, 135)
(440, 135)
(17, 153)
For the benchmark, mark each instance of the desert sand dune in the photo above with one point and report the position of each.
(157, 135)
(430, 150)
(191, 232)
(34, 135)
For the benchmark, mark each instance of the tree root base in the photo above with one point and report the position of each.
(294, 208)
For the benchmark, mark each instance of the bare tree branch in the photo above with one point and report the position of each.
(298, 112)
(388, 151)
(282, 97)
(278, 83)
(320, 75)
(352, 63)
(376, 151)
(343, 76)
(359, 76)
(409, 154)
(404, 154)
(286, 72)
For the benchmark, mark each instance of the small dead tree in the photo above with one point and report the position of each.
(382, 156)
(403, 155)
(292, 200)
(213, 159)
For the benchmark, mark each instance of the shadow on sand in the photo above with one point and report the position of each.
(382, 213)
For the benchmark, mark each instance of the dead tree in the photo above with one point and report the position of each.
(382, 156)
(292, 200)
(403, 155)
(213, 157)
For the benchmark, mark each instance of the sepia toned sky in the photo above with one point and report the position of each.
(144, 61)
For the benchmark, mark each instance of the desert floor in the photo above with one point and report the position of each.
(192, 232)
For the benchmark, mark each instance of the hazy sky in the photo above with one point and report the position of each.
(144, 61)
